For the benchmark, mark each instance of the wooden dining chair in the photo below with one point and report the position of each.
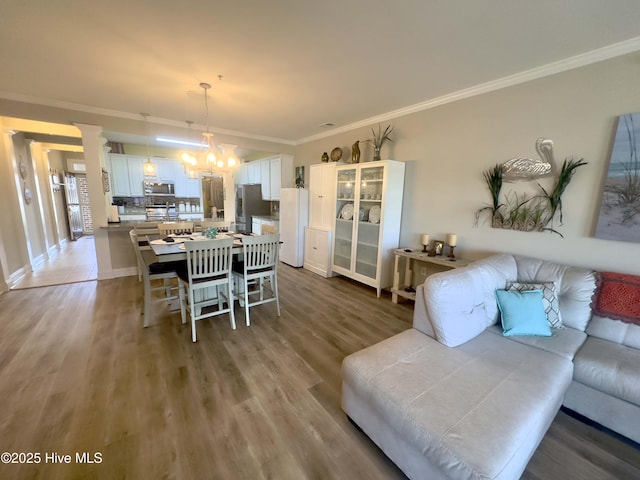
(152, 270)
(177, 227)
(219, 224)
(208, 267)
(259, 264)
(141, 232)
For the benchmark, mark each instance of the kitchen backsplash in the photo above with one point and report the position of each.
(136, 205)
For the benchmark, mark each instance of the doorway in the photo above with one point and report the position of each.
(75, 262)
(213, 196)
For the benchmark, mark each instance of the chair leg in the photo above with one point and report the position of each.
(183, 309)
(193, 315)
(246, 303)
(231, 305)
(147, 301)
(274, 287)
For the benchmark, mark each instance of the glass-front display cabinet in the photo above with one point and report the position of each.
(368, 212)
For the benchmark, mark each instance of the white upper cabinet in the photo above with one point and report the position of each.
(240, 175)
(254, 172)
(277, 173)
(126, 175)
(165, 169)
(322, 196)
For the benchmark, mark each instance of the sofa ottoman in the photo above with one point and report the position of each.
(433, 409)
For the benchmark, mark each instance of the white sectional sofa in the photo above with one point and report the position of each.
(454, 398)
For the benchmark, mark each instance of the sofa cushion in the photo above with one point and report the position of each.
(468, 409)
(575, 287)
(522, 313)
(564, 342)
(615, 331)
(610, 368)
(549, 299)
(457, 318)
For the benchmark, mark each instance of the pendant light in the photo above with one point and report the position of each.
(149, 167)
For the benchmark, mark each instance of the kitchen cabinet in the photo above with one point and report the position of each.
(165, 169)
(127, 175)
(322, 197)
(276, 173)
(254, 172)
(257, 222)
(241, 174)
(248, 173)
(186, 187)
(317, 250)
(367, 221)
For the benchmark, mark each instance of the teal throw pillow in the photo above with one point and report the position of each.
(523, 313)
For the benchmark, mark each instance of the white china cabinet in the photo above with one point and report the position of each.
(367, 221)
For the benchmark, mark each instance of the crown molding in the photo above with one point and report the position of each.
(134, 116)
(594, 56)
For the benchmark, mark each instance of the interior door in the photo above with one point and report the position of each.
(73, 206)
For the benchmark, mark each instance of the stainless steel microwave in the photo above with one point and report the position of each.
(158, 189)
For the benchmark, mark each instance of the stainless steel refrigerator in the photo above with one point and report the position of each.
(249, 202)
(294, 216)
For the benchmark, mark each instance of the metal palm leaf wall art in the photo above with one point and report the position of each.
(522, 211)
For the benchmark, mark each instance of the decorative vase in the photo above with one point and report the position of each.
(376, 154)
(325, 157)
(355, 152)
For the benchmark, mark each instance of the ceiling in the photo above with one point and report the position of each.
(287, 66)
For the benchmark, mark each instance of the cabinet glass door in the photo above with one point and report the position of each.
(345, 213)
(368, 240)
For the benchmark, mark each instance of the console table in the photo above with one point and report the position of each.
(410, 259)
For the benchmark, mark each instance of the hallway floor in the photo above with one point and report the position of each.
(76, 262)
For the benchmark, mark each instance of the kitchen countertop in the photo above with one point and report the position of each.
(268, 218)
(128, 225)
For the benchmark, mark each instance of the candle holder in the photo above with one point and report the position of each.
(425, 242)
(451, 256)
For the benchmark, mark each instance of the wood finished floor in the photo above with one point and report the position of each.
(75, 262)
(78, 373)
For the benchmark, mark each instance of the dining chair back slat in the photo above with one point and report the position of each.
(219, 224)
(209, 265)
(177, 227)
(259, 263)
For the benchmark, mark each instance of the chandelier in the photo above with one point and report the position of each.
(209, 158)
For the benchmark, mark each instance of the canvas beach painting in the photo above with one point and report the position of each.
(619, 217)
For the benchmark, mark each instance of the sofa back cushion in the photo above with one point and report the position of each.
(461, 303)
(574, 287)
(615, 331)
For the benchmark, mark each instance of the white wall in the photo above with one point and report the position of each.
(448, 147)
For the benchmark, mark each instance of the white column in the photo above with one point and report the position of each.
(94, 156)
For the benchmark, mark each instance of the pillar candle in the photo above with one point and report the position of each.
(425, 239)
(452, 239)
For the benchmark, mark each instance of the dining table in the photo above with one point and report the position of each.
(173, 251)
